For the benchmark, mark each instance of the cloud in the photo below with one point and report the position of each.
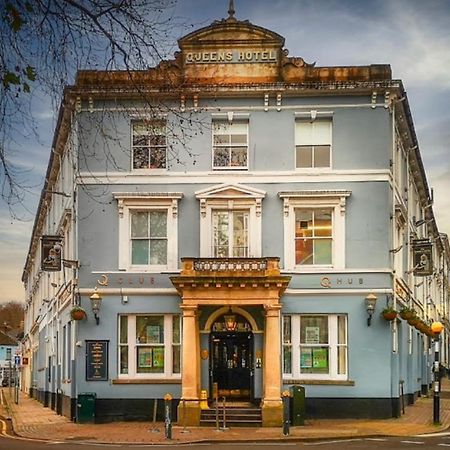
(410, 35)
(14, 238)
(441, 186)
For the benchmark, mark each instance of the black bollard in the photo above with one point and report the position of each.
(285, 396)
(168, 416)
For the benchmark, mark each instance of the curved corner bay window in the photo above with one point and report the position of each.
(315, 346)
(230, 144)
(149, 344)
(149, 238)
(230, 234)
(149, 144)
(313, 236)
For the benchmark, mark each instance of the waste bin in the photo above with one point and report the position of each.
(86, 407)
(298, 405)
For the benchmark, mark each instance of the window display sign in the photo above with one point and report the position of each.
(422, 257)
(306, 358)
(145, 357)
(158, 357)
(97, 360)
(151, 357)
(320, 358)
(51, 253)
(153, 334)
(312, 335)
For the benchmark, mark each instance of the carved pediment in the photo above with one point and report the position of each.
(230, 191)
(226, 32)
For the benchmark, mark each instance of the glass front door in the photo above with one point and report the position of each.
(232, 364)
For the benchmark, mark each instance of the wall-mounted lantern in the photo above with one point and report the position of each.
(371, 301)
(96, 303)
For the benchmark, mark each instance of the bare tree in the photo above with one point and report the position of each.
(11, 318)
(42, 45)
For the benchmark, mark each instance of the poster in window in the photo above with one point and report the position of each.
(312, 335)
(97, 360)
(145, 357)
(153, 334)
(158, 357)
(320, 358)
(306, 358)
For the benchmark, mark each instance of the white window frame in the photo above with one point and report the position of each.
(332, 345)
(132, 348)
(231, 197)
(312, 118)
(230, 230)
(128, 202)
(229, 119)
(334, 200)
(143, 120)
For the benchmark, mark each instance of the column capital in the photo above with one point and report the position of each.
(272, 310)
(189, 310)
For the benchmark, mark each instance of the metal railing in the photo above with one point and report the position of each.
(224, 413)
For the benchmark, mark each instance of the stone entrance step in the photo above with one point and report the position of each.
(244, 416)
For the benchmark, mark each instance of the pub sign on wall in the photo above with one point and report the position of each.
(51, 253)
(422, 257)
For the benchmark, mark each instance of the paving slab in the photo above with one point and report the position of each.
(31, 419)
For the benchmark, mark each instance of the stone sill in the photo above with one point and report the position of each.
(321, 382)
(146, 381)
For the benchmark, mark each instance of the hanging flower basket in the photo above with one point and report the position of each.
(429, 332)
(78, 313)
(413, 321)
(421, 326)
(407, 313)
(389, 314)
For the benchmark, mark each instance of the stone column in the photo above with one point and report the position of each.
(272, 406)
(189, 411)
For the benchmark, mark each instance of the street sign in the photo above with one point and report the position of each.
(17, 360)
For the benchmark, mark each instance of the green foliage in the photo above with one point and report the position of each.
(11, 318)
(16, 78)
(10, 78)
(30, 72)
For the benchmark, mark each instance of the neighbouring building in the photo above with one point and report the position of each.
(238, 218)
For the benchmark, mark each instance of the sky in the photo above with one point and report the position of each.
(411, 35)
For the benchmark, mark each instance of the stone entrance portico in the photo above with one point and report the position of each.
(230, 282)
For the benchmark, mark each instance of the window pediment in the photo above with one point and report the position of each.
(228, 205)
(230, 191)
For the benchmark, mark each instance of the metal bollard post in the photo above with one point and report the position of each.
(224, 423)
(285, 396)
(216, 404)
(17, 386)
(168, 416)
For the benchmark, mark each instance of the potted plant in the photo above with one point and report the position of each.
(389, 313)
(413, 321)
(407, 313)
(77, 313)
(421, 326)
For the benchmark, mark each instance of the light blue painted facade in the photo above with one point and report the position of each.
(380, 358)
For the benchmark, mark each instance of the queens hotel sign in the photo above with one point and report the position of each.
(232, 56)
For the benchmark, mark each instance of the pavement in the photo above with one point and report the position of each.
(32, 420)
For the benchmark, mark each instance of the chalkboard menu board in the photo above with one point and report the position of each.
(97, 360)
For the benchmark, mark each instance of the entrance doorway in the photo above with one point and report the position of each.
(231, 362)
